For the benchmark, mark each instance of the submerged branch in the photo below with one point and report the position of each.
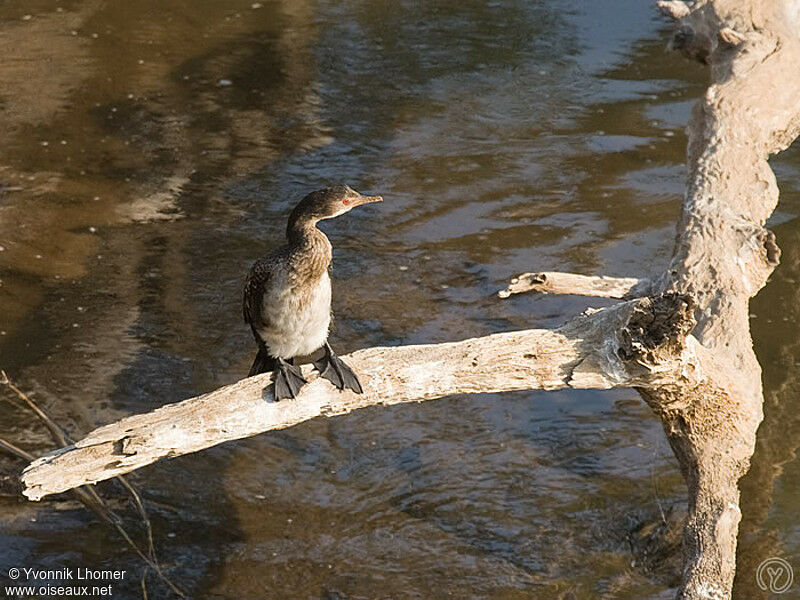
(88, 496)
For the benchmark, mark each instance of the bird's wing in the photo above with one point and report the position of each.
(253, 297)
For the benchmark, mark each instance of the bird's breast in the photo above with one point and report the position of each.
(297, 316)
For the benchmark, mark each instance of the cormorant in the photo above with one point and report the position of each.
(287, 296)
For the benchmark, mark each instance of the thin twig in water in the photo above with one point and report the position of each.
(16, 450)
(56, 432)
(655, 484)
(89, 497)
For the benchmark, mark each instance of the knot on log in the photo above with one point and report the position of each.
(731, 37)
(773, 252)
(656, 329)
(122, 447)
(692, 44)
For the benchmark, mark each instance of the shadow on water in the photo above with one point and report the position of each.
(152, 151)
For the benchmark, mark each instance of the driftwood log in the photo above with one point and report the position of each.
(681, 337)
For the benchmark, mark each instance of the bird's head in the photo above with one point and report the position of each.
(331, 202)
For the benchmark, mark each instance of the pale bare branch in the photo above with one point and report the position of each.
(638, 343)
(554, 282)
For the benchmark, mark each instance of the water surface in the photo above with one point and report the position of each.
(151, 152)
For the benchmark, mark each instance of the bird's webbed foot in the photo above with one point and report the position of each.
(288, 380)
(335, 370)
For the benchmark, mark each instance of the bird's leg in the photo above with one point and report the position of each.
(288, 380)
(335, 370)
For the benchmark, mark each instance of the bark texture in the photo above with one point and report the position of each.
(686, 346)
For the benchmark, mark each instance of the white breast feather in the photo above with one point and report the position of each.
(296, 327)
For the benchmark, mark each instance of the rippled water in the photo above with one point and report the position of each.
(151, 152)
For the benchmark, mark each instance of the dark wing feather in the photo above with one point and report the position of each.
(253, 297)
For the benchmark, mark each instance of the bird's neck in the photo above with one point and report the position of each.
(301, 227)
(310, 249)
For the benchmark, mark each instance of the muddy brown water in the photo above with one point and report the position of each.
(150, 152)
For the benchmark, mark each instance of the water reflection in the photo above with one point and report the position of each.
(504, 136)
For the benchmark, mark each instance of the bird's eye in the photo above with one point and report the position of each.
(345, 201)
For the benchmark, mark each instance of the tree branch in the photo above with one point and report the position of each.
(638, 343)
(554, 282)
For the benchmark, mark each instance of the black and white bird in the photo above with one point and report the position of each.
(287, 296)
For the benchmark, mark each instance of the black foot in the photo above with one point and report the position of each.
(334, 369)
(288, 380)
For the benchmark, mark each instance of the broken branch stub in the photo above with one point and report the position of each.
(554, 282)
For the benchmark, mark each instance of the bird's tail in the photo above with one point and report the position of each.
(263, 362)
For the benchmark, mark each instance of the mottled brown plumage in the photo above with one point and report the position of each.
(287, 295)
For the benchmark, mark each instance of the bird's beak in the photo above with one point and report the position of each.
(366, 200)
